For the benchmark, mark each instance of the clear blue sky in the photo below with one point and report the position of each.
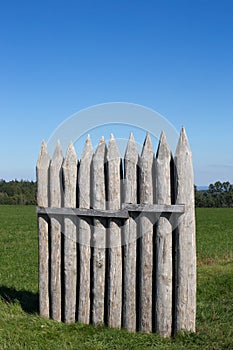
(176, 57)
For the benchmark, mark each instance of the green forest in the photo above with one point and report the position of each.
(218, 195)
(17, 192)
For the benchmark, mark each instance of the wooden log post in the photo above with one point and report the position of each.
(56, 201)
(115, 244)
(163, 242)
(146, 231)
(99, 233)
(42, 172)
(84, 236)
(130, 237)
(70, 254)
(186, 239)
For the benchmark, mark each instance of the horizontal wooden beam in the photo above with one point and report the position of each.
(83, 212)
(121, 213)
(154, 208)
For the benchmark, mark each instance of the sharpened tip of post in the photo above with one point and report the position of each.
(57, 155)
(43, 148)
(162, 136)
(87, 150)
(44, 158)
(163, 148)
(163, 139)
(58, 143)
(147, 146)
(100, 152)
(58, 149)
(113, 151)
(70, 147)
(43, 144)
(131, 138)
(183, 142)
(183, 135)
(131, 152)
(183, 132)
(148, 140)
(71, 157)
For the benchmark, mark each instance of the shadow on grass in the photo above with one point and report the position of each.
(29, 301)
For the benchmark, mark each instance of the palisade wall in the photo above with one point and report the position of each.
(117, 236)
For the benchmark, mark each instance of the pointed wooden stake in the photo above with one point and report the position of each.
(115, 254)
(56, 201)
(146, 228)
(42, 171)
(84, 236)
(70, 254)
(163, 242)
(186, 239)
(99, 233)
(130, 237)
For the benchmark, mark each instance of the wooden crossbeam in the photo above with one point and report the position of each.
(154, 208)
(121, 213)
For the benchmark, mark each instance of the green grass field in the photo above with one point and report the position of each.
(22, 328)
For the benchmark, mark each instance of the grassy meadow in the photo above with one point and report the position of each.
(22, 328)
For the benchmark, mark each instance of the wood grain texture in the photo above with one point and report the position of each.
(70, 253)
(99, 233)
(115, 245)
(42, 171)
(186, 239)
(84, 237)
(56, 225)
(146, 232)
(163, 242)
(130, 237)
(123, 213)
(154, 208)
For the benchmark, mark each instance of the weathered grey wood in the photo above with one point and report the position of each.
(186, 239)
(42, 171)
(91, 182)
(123, 214)
(154, 208)
(130, 237)
(115, 254)
(56, 201)
(163, 242)
(99, 233)
(84, 233)
(146, 232)
(70, 254)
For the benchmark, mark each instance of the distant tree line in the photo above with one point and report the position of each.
(218, 195)
(17, 192)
